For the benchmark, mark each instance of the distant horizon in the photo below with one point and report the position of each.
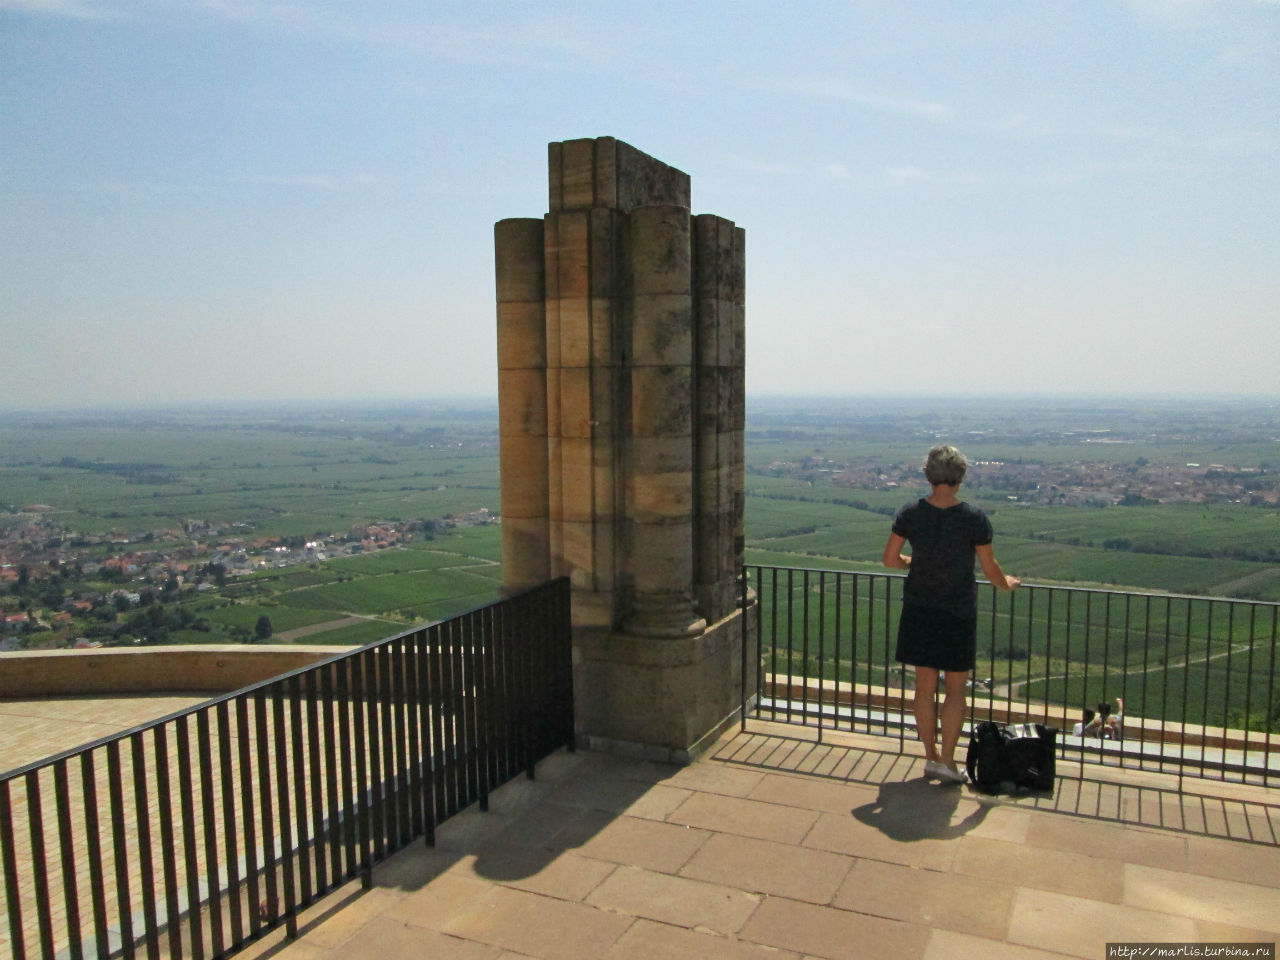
(371, 403)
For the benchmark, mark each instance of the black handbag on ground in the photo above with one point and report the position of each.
(1011, 759)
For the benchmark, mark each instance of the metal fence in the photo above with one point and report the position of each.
(1197, 675)
(198, 833)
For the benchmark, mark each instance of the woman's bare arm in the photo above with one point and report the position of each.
(893, 556)
(991, 569)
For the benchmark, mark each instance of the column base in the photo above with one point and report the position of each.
(658, 698)
(667, 617)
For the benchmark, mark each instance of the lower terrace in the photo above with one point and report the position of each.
(776, 847)
(785, 840)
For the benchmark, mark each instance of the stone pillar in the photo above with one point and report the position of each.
(522, 402)
(719, 274)
(660, 482)
(634, 390)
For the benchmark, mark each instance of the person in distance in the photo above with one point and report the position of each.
(938, 630)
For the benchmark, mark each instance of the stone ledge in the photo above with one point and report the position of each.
(200, 668)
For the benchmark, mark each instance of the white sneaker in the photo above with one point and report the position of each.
(933, 770)
(949, 775)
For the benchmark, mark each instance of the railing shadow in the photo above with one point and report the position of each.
(1155, 801)
(207, 829)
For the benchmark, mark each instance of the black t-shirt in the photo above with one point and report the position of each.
(942, 555)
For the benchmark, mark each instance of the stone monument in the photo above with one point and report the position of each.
(620, 391)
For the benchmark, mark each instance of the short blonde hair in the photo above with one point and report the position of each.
(945, 465)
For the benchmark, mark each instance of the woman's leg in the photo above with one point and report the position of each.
(953, 714)
(926, 711)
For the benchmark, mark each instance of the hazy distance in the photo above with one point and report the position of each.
(235, 201)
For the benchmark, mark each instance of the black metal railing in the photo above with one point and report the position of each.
(1197, 675)
(194, 835)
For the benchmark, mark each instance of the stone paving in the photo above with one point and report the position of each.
(32, 730)
(774, 848)
(778, 847)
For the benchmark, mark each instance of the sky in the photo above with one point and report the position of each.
(232, 200)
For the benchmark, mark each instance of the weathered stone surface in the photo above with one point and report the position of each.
(669, 694)
(576, 480)
(523, 472)
(552, 381)
(628, 311)
(522, 334)
(526, 554)
(662, 329)
(606, 240)
(522, 409)
(661, 496)
(662, 554)
(518, 260)
(576, 174)
(661, 401)
(575, 333)
(575, 402)
(605, 172)
(659, 250)
(662, 454)
(643, 179)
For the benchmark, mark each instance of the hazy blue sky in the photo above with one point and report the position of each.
(212, 199)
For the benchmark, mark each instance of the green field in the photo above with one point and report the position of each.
(157, 481)
(1043, 544)
(285, 476)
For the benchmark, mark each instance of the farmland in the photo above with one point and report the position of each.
(348, 524)
(336, 526)
(1178, 498)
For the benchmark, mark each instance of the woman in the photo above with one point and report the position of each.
(938, 631)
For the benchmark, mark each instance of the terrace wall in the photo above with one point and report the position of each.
(208, 669)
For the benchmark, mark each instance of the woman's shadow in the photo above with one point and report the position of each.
(918, 810)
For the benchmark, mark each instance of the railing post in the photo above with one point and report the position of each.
(742, 678)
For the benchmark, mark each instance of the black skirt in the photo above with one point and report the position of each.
(936, 638)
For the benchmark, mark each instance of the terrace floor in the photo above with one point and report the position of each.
(777, 847)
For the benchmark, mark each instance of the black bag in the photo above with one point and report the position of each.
(1009, 759)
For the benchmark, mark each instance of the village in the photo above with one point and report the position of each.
(1079, 483)
(54, 579)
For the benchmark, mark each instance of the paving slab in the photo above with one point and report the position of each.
(928, 897)
(949, 945)
(565, 876)
(715, 778)
(536, 925)
(777, 869)
(1082, 927)
(437, 903)
(748, 818)
(675, 900)
(812, 793)
(1041, 868)
(1245, 904)
(1232, 860)
(1110, 841)
(653, 845)
(832, 933)
(646, 940)
(847, 835)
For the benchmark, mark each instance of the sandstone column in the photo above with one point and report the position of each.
(522, 402)
(719, 308)
(631, 388)
(661, 478)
